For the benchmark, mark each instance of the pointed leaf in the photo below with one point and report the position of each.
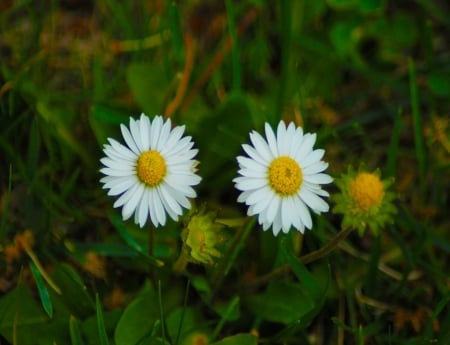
(42, 289)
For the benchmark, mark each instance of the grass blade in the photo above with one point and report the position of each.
(42, 289)
(394, 144)
(75, 334)
(235, 54)
(417, 123)
(101, 322)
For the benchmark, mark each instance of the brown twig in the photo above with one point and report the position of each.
(189, 43)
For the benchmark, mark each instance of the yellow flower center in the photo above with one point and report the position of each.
(285, 176)
(151, 168)
(367, 191)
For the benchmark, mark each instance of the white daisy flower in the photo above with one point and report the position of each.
(281, 178)
(153, 174)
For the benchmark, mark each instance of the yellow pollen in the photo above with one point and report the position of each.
(151, 168)
(367, 191)
(285, 176)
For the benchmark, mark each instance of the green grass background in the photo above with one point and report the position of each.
(371, 77)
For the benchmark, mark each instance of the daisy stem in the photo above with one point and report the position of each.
(151, 245)
(305, 259)
(231, 254)
(327, 249)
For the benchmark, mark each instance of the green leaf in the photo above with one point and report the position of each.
(105, 122)
(20, 314)
(42, 289)
(75, 296)
(131, 241)
(344, 37)
(283, 302)
(238, 339)
(139, 318)
(58, 119)
(341, 4)
(228, 312)
(183, 321)
(371, 5)
(148, 85)
(221, 139)
(75, 334)
(101, 323)
(439, 83)
(310, 283)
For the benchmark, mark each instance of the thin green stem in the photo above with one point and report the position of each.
(327, 249)
(235, 54)
(417, 123)
(305, 259)
(231, 254)
(151, 245)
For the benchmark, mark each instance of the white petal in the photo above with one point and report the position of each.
(313, 201)
(255, 155)
(261, 146)
(306, 146)
(261, 195)
(136, 134)
(164, 135)
(161, 214)
(304, 214)
(272, 209)
(244, 183)
(129, 139)
(315, 168)
(143, 211)
(151, 203)
(271, 140)
(132, 204)
(314, 157)
(155, 132)
(117, 172)
(283, 148)
(145, 132)
(121, 186)
(172, 207)
(174, 137)
(318, 178)
(248, 163)
(252, 173)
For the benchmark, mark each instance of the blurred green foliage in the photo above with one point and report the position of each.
(371, 77)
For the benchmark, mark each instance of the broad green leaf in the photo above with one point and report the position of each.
(283, 302)
(222, 136)
(303, 275)
(42, 289)
(439, 83)
(238, 339)
(345, 36)
(371, 5)
(139, 318)
(74, 293)
(19, 311)
(148, 85)
(341, 4)
(183, 321)
(315, 291)
(90, 330)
